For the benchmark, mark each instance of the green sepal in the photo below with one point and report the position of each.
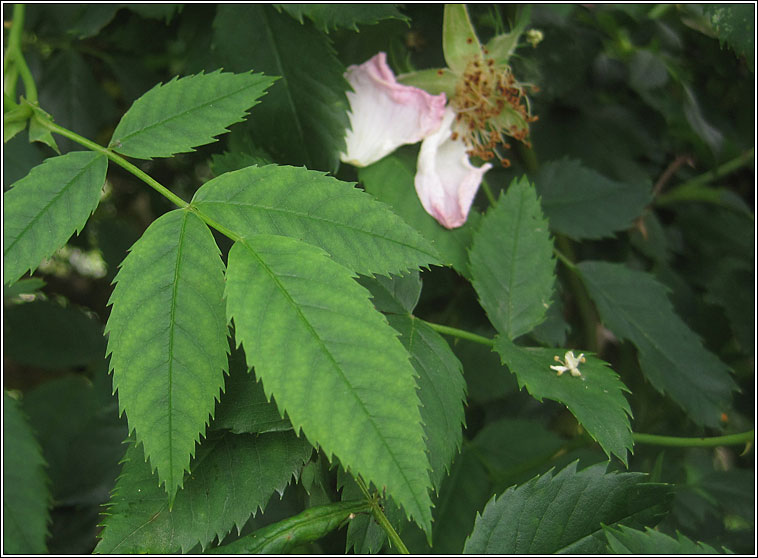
(459, 42)
(38, 132)
(14, 121)
(433, 81)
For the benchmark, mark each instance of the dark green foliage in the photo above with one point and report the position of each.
(565, 512)
(305, 118)
(332, 16)
(25, 485)
(623, 540)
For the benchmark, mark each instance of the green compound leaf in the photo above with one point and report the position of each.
(356, 230)
(308, 526)
(332, 362)
(390, 180)
(623, 540)
(596, 398)
(232, 478)
(43, 209)
(346, 16)
(442, 391)
(25, 491)
(634, 306)
(565, 513)
(512, 262)
(582, 203)
(167, 339)
(184, 113)
(306, 111)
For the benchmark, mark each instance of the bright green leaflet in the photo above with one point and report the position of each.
(512, 262)
(232, 478)
(344, 378)
(167, 339)
(25, 490)
(581, 203)
(634, 306)
(442, 391)
(43, 209)
(184, 113)
(596, 398)
(356, 230)
(306, 111)
(346, 16)
(565, 513)
(391, 181)
(623, 540)
(305, 527)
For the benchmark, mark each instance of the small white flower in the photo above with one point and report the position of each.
(446, 181)
(571, 363)
(385, 114)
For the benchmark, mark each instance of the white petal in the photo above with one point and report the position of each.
(446, 182)
(385, 114)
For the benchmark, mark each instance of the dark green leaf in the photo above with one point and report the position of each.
(167, 339)
(634, 306)
(233, 161)
(512, 262)
(22, 286)
(396, 294)
(305, 527)
(25, 491)
(184, 113)
(46, 207)
(331, 361)
(42, 134)
(243, 407)
(565, 513)
(582, 203)
(45, 334)
(70, 91)
(84, 450)
(442, 391)
(333, 16)
(391, 181)
(595, 398)
(735, 25)
(306, 112)
(232, 478)
(356, 230)
(623, 540)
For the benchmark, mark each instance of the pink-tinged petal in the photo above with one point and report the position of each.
(446, 182)
(385, 114)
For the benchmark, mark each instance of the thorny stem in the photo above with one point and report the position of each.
(381, 519)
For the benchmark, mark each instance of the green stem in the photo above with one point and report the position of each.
(381, 519)
(13, 54)
(460, 333)
(118, 159)
(675, 441)
(679, 192)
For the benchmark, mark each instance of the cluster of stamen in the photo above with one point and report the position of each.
(485, 91)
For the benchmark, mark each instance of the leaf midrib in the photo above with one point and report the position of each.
(312, 217)
(47, 206)
(335, 364)
(125, 138)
